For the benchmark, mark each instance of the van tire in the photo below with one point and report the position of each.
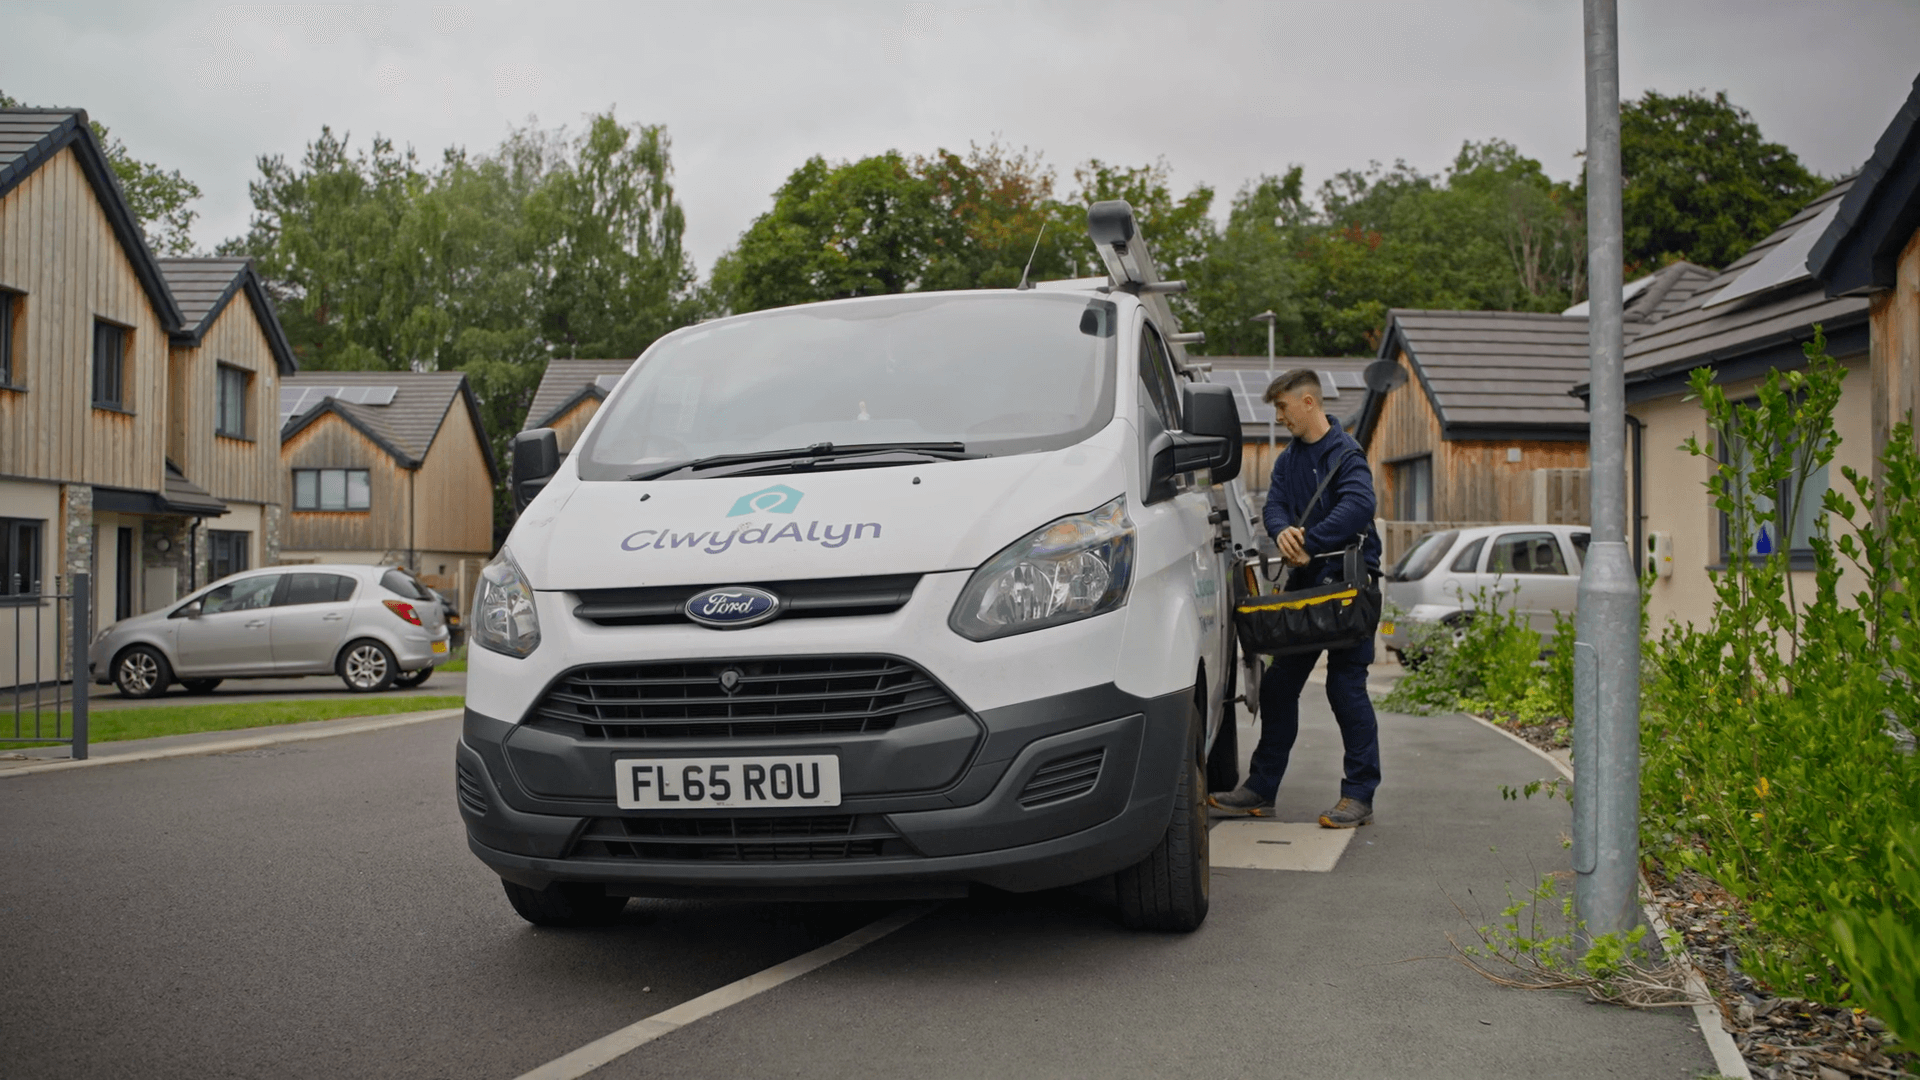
(366, 666)
(1168, 889)
(564, 904)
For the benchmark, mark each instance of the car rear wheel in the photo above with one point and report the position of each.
(141, 672)
(1168, 890)
(411, 679)
(200, 686)
(366, 667)
(565, 904)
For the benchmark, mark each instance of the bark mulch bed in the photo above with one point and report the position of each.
(1780, 1037)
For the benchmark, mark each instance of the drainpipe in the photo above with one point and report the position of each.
(1637, 478)
(413, 512)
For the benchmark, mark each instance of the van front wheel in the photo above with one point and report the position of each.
(1168, 889)
(564, 904)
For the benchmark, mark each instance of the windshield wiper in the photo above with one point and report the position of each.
(805, 457)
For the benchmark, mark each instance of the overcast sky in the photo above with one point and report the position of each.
(1222, 91)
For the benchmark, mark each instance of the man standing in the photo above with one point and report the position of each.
(1344, 512)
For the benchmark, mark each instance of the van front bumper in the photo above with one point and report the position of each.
(976, 829)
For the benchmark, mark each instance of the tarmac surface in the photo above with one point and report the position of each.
(231, 691)
(311, 910)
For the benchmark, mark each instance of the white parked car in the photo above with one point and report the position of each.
(374, 626)
(1439, 579)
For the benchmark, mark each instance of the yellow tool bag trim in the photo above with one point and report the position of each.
(1346, 597)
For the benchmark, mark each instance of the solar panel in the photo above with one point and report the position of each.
(295, 400)
(1785, 264)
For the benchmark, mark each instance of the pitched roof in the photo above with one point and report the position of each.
(1745, 323)
(29, 138)
(1495, 374)
(1879, 215)
(1344, 391)
(405, 427)
(566, 383)
(204, 287)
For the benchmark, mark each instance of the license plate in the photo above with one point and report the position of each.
(726, 783)
(439, 646)
(1386, 629)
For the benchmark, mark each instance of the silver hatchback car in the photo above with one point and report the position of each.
(1441, 578)
(374, 626)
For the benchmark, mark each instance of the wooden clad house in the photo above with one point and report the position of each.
(387, 467)
(1749, 319)
(222, 427)
(98, 473)
(1483, 429)
(570, 392)
(1871, 251)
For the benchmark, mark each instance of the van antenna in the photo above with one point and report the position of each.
(1024, 285)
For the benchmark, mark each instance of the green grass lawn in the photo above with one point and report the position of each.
(113, 725)
(458, 663)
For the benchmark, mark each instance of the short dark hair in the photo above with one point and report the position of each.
(1289, 381)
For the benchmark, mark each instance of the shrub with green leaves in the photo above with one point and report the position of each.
(1488, 658)
(1768, 739)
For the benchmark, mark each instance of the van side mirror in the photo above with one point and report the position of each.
(536, 457)
(1211, 414)
(1211, 441)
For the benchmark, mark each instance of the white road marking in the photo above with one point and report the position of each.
(1277, 845)
(603, 1050)
(229, 746)
(1726, 1054)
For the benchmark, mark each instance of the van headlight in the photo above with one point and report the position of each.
(503, 615)
(1074, 568)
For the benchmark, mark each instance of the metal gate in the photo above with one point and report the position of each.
(49, 677)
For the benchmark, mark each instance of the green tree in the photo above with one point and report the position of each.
(1252, 266)
(159, 198)
(1699, 182)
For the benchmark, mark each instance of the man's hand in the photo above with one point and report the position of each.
(1293, 545)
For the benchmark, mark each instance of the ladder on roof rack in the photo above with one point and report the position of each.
(1131, 269)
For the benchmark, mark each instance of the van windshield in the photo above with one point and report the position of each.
(996, 374)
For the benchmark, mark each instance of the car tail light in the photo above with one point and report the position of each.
(404, 610)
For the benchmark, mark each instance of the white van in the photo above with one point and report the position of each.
(874, 598)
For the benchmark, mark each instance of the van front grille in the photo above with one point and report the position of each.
(734, 699)
(1063, 778)
(472, 795)
(661, 605)
(739, 839)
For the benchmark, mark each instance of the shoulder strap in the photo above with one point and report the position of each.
(1332, 471)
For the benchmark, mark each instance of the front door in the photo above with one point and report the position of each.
(231, 634)
(310, 621)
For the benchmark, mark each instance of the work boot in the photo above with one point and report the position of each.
(1347, 814)
(1240, 802)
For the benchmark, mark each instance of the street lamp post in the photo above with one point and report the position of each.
(1269, 318)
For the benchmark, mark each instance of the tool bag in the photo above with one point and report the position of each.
(1336, 615)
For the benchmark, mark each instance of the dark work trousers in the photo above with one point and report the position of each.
(1352, 709)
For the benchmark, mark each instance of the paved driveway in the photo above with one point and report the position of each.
(311, 910)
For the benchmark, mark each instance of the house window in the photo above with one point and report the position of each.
(109, 366)
(226, 552)
(1413, 489)
(19, 557)
(331, 489)
(230, 402)
(1766, 529)
(9, 319)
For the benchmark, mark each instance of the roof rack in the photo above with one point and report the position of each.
(1131, 269)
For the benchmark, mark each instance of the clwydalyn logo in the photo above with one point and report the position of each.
(778, 499)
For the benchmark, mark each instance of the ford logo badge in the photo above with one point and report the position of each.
(732, 607)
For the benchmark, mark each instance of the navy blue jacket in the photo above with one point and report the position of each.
(1345, 509)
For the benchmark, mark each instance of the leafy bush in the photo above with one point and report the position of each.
(1488, 658)
(1880, 951)
(1768, 753)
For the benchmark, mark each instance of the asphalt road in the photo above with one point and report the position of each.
(312, 911)
(232, 691)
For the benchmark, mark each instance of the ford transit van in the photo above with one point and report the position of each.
(882, 597)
